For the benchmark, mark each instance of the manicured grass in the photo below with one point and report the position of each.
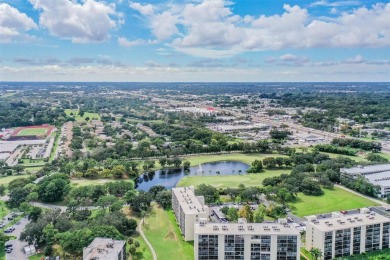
(223, 181)
(367, 255)
(163, 233)
(86, 182)
(386, 155)
(143, 252)
(7, 179)
(333, 200)
(33, 169)
(306, 253)
(355, 158)
(36, 257)
(82, 118)
(3, 209)
(241, 157)
(32, 131)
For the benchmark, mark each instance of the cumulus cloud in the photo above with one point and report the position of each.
(211, 29)
(14, 24)
(128, 44)
(89, 21)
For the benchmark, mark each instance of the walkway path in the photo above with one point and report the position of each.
(141, 232)
(364, 196)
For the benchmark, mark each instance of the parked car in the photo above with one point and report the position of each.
(10, 218)
(7, 245)
(2, 225)
(9, 250)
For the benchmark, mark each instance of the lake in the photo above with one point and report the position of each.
(169, 177)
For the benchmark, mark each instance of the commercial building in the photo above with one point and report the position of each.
(348, 234)
(255, 241)
(375, 174)
(105, 249)
(188, 210)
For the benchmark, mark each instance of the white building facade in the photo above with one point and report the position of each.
(254, 241)
(345, 235)
(189, 209)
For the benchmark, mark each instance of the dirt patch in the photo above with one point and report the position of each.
(171, 236)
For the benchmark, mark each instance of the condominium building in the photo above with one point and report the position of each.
(255, 241)
(375, 174)
(188, 210)
(347, 234)
(105, 249)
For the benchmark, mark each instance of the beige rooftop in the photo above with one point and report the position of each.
(188, 201)
(348, 221)
(245, 229)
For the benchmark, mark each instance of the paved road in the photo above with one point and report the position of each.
(17, 252)
(62, 208)
(141, 232)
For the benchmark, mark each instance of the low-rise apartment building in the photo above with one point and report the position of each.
(189, 209)
(343, 235)
(105, 249)
(375, 174)
(254, 241)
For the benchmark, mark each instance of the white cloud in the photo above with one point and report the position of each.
(336, 3)
(89, 21)
(211, 29)
(143, 9)
(14, 24)
(356, 60)
(128, 44)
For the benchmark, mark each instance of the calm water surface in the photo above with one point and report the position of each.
(169, 177)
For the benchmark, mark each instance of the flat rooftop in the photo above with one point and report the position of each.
(348, 221)
(103, 248)
(368, 169)
(23, 142)
(245, 229)
(188, 201)
(7, 147)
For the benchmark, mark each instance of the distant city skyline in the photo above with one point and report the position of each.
(202, 40)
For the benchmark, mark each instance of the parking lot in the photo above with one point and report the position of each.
(17, 246)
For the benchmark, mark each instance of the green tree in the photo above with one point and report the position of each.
(246, 212)
(118, 171)
(259, 213)
(315, 252)
(232, 214)
(106, 201)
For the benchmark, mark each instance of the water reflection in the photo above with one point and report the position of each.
(169, 177)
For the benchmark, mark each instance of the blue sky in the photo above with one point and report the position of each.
(202, 40)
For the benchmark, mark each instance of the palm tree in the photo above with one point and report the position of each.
(315, 252)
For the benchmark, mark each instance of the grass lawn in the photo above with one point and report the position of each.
(36, 257)
(307, 254)
(163, 233)
(355, 158)
(332, 200)
(81, 118)
(3, 209)
(32, 131)
(7, 179)
(86, 182)
(223, 181)
(143, 252)
(245, 158)
(33, 169)
(386, 155)
(367, 255)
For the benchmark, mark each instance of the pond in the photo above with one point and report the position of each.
(169, 177)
